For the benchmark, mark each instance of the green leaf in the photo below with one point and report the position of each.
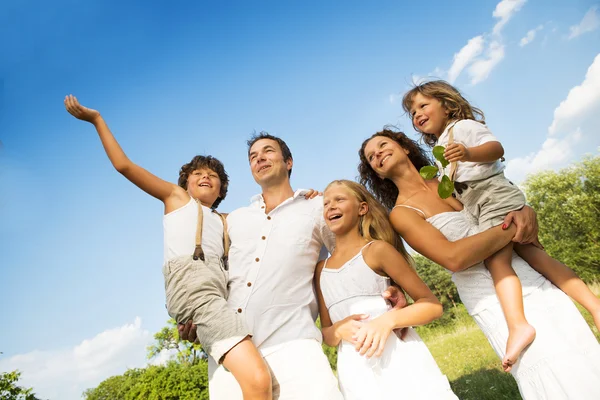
(446, 187)
(438, 153)
(428, 172)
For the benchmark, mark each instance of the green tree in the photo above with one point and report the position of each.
(438, 279)
(165, 382)
(567, 203)
(440, 282)
(168, 339)
(10, 390)
(184, 378)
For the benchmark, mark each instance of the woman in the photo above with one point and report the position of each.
(564, 360)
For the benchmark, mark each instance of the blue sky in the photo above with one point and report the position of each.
(80, 279)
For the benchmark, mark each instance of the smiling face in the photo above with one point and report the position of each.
(383, 154)
(428, 114)
(204, 184)
(341, 209)
(267, 162)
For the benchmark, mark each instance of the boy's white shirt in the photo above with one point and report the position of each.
(471, 133)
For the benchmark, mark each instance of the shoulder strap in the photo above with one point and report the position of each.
(412, 208)
(226, 240)
(453, 164)
(198, 252)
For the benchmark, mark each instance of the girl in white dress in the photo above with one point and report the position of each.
(564, 360)
(373, 362)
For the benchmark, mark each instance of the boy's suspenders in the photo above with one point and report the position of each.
(198, 252)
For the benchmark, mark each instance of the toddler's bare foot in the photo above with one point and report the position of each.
(518, 339)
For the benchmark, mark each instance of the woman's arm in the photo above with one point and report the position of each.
(170, 194)
(455, 256)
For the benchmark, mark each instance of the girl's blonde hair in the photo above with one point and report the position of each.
(375, 224)
(457, 106)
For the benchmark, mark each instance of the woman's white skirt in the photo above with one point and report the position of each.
(563, 362)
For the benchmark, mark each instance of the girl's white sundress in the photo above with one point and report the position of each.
(563, 362)
(406, 370)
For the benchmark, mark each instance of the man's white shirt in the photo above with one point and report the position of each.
(271, 266)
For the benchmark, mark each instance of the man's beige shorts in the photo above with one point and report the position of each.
(197, 290)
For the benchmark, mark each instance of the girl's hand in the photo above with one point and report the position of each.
(372, 336)
(456, 152)
(312, 193)
(79, 111)
(348, 328)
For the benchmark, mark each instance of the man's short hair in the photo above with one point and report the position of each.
(285, 150)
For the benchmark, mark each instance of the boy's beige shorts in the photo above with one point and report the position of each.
(197, 290)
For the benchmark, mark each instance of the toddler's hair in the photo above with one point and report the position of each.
(457, 106)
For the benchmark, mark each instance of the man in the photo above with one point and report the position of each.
(276, 242)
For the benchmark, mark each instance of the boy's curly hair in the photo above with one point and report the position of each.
(209, 162)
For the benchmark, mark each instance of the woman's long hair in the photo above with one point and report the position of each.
(384, 189)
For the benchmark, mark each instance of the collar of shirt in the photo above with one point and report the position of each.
(258, 200)
(444, 136)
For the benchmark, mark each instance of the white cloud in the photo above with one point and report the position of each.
(504, 11)
(481, 68)
(579, 102)
(528, 38)
(466, 55)
(163, 357)
(65, 374)
(555, 153)
(572, 133)
(589, 23)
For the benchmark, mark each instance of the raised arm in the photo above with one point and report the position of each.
(455, 256)
(170, 194)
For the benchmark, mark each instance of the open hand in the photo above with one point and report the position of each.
(372, 336)
(347, 328)
(79, 111)
(312, 193)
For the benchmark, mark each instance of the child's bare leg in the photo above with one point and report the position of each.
(250, 370)
(510, 295)
(563, 277)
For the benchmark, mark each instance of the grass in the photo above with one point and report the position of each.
(466, 358)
